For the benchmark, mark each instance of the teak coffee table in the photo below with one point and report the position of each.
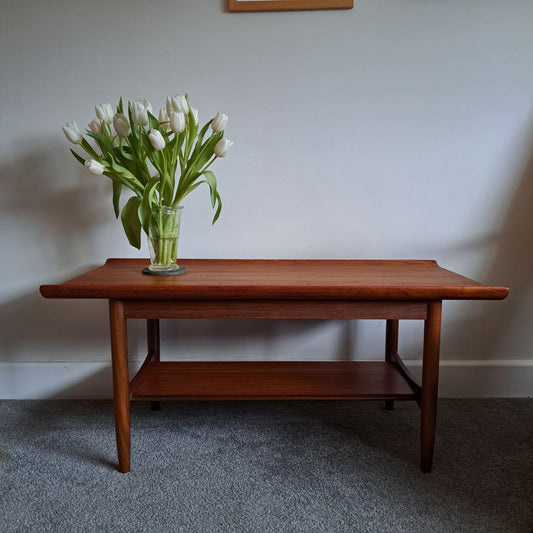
(275, 289)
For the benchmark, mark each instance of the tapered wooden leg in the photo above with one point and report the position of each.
(430, 384)
(121, 393)
(391, 349)
(152, 333)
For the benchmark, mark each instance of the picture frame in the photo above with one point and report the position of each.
(287, 5)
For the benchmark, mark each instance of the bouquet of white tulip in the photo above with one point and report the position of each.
(129, 146)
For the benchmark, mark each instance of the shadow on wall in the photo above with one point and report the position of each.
(52, 206)
(61, 329)
(492, 330)
(496, 330)
(49, 209)
(513, 264)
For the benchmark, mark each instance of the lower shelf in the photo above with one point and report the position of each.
(282, 380)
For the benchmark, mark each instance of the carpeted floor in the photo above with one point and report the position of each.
(217, 467)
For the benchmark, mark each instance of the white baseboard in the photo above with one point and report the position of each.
(86, 380)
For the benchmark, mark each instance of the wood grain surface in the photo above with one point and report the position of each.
(208, 279)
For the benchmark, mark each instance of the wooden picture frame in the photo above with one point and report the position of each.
(287, 5)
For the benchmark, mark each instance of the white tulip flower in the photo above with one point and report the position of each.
(139, 112)
(163, 120)
(168, 105)
(219, 122)
(95, 126)
(72, 132)
(146, 103)
(157, 140)
(222, 147)
(122, 125)
(177, 121)
(177, 103)
(94, 167)
(104, 113)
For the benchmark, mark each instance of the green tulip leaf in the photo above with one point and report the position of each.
(123, 152)
(88, 148)
(211, 180)
(219, 208)
(167, 188)
(192, 130)
(104, 142)
(127, 159)
(78, 157)
(201, 135)
(153, 123)
(207, 150)
(134, 136)
(147, 203)
(126, 177)
(130, 221)
(117, 189)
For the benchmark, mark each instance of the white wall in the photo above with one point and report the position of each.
(398, 129)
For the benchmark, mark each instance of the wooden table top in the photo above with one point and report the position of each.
(122, 279)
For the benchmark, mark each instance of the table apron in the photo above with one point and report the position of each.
(276, 309)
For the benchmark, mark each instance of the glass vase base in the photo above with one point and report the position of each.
(163, 268)
(177, 272)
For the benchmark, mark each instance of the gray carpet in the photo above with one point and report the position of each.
(266, 467)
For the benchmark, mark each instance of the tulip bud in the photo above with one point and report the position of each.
(72, 132)
(95, 126)
(146, 103)
(222, 147)
(104, 113)
(94, 167)
(163, 120)
(156, 139)
(139, 115)
(219, 122)
(122, 125)
(170, 105)
(177, 103)
(177, 121)
(139, 112)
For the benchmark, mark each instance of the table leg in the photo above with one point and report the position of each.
(391, 349)
(152, 333)
(121, 392)
(430, 384)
